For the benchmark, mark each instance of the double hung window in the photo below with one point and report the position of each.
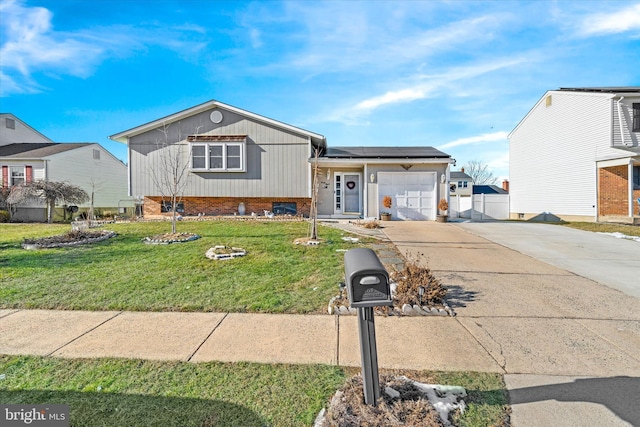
(218, 156)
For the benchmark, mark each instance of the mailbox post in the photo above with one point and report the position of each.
(367, 287)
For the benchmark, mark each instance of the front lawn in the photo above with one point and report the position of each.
(114, 392)
(601, 227)
(123, 273)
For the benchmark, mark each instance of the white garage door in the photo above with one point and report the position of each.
(413, 194)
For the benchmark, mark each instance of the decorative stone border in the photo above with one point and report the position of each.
(105, 234)
(180, 238)
(233, 253)
(406, 310)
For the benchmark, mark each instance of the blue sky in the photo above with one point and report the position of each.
(456, 75)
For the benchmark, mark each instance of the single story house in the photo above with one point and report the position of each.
(27, 155)
(576, 156)
(236, 161)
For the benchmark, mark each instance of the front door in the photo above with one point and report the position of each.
(347, 193)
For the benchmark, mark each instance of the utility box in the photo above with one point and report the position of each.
(366, 278)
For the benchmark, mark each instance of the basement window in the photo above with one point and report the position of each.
(167, 207)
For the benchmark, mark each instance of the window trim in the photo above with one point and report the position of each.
(225, 157)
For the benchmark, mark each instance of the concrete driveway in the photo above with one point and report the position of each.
(605, 259)
(569, 346)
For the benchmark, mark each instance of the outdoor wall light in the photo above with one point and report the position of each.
(373, 178)
(328, 174)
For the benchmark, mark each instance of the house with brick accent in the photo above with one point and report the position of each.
(239, 162)
(576, 156)
(27, 155)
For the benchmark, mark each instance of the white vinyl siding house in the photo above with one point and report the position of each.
(13, 130)
(88, 166)
(555, 151)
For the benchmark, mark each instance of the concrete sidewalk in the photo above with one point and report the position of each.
(569, 347)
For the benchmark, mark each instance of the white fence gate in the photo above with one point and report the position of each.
(480, 207)
(460, 207)
(490, 206)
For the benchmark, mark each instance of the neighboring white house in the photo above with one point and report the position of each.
(576, 156)
(26, 155)
(461, 183)
(239, 161)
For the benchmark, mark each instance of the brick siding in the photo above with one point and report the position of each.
(613, 191)
(226, 205)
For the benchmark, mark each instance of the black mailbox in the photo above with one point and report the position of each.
(367, 279)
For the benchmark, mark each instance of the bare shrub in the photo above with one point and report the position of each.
(372, 224)
(411, 278)
(410, 409)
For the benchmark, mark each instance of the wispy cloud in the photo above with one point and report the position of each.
(621, 21)
(478, 139)
(427, 86)
(31, 45)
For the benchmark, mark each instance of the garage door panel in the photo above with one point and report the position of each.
(413, 194)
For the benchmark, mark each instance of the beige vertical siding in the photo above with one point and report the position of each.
(276, 161)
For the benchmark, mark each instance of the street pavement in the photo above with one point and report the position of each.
(567, 345)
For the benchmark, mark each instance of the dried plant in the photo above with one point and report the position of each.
(387, 202)
(443, 205)
(410, 409)
(411, 278)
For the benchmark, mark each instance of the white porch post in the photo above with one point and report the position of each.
(630, 181)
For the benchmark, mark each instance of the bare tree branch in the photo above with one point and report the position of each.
(480, 173)
(173, 167)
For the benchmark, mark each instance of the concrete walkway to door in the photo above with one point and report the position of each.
(569, 346)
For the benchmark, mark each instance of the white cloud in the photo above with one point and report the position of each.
(478, 139)
(426, 87)
(622, 21)
(31, 45)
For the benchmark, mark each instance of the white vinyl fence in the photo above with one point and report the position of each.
(480, 207)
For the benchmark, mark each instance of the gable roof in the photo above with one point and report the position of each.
(488, 189)
(384, 153)
(610, 89)
(37, 150)
(12, 116)
(318, 140)
(456, 175)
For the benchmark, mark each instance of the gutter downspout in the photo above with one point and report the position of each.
(620, 120)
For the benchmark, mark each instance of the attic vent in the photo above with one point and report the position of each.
(10, 123)
(548, 101)
(96, 154)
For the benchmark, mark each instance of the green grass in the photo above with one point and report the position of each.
(108, 392)
(123, 273)
(629, 230)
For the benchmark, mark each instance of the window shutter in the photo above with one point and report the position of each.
(28, 174)
(5, 176)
